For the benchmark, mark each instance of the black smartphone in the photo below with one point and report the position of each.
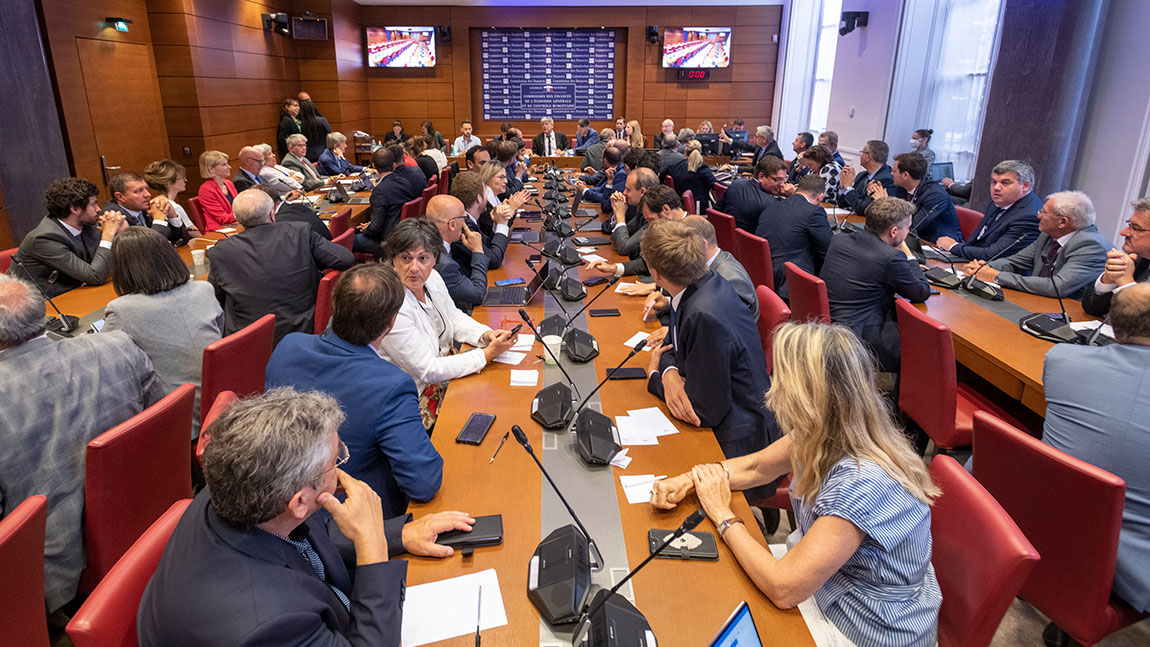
(697, 544)
(516, 329)
(594, 280)
(475, 429)
(628, 373)
(604, 312)
(487, 531)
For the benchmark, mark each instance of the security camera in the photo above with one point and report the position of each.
(852, 19)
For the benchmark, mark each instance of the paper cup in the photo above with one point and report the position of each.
(199, 256)
(555, 344)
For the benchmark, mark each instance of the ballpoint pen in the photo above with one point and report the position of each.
(499, 448)
(479, 613)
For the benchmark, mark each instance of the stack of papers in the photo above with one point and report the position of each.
(638, 488)
(448, 608)
(1107, 331)
(585, 250)
(593, 257)
(524, 378)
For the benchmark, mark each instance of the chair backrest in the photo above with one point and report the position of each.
(323, 300)
(223, 401)
(773, 312)
(108, 617)
(22, 570)
(968, 220)
(410, 209)
(717, 190)
(196, 214)
(1070, 510)
(340, 222)
(977, 585)
(808, 295)
(669, 181)
(755, 255)
(133, 473)
(429, 192)
(724, 229)
(237, 362)
(346, 239)
(6, 259)
(444, 181)
(928, 386)
(689, 202)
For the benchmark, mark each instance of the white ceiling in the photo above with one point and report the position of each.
(568, 3)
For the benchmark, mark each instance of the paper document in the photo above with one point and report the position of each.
(633, 433)
(638, 488)
(226, 230)
(621, 287)
(524, 378)
(654, 419)
(585, 250)
(447, 608)
(822, 631)
(621, 459)
(636, 338)
(523, 343)
(593, 257)
(510, 357)
(1107, 331)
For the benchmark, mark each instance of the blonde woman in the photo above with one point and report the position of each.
(861, 495)
(633, 134)
(706, 128)
(693, 174)
(217, 192)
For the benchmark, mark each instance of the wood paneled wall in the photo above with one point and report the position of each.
(333, 72)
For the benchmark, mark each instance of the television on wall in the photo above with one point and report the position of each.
(697, 47)
(401, 46)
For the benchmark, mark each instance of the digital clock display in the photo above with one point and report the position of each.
(694, 75)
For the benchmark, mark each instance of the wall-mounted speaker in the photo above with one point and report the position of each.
(308, 28)
(652, 34)
(445, 33)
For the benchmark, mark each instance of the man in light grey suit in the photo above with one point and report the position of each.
(59, 395)
(296, 160)
(1069, 251)
(668, 153)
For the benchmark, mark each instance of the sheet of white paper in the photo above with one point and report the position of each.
(620, 287)
(621, 459)
(584, 250)
(524, 378)
(523, 343)
(593, 257)
(653, 419)
(638, 488)
(1107, 331)
(636, 338)
(445, 609)
(633, 433)
(822, 631)
(226, 230)
(511, 357)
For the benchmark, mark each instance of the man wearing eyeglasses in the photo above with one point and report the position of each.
(466, 283)
(1123, 268)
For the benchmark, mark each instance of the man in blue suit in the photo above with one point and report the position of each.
(747, 198)
(797, 230)
(934, 215)
(466, 282)
(865, 271)
(390, 449)
(711, 370)
(600, 186)
(255, 560)
(585, 135)
(332, 161)
(855, 190)
(1011, 220)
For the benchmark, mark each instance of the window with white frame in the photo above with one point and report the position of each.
(825, 64)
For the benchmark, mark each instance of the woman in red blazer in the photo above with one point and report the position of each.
(217, 193)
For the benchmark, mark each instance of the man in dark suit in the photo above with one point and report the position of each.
(296, 160)
(830, 141)
(746, 198)
(412, 175)
(387, 199)
(602, 185)
(585, 135)
(723, 263)
(72, 243)
(296, 212)
(1123, 268)
(593, 156)
(667, 129)
(796, 170)
(797, 230)
(1011, 220)
(660, 202)
(934, 215)
(251, 161)
(1069, 252)
(255, 556)
(549, 142)
(130, 197)
(711, 370)
(271, 268)
(668, 152)
(628, 229)
(855, 192)
(466, 282)
(507, 153)
(865, 270)
(761, 144)
(468, 189)
(390, 449)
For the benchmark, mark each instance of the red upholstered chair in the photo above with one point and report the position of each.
(323, 300)
(147, 456)
(717, 190)
(6, 259)
(968, 220)
(773, 312)
(755, 255)
(411, 209)
(528, 144)
(429, 192)
(444, 183)
(929, 392)
(724, 229)
(977, 585)
(22, 569)
(689, 202)
(1072, 512)
(196, 214)
(808, 295)
(347, 239)
(108, 617)
(669, 181)
(237, 362)
(223, 401)
(340, 222)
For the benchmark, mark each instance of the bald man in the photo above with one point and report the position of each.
(251, 161)
(466, 285)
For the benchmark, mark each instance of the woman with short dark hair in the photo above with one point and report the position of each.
(168, 316)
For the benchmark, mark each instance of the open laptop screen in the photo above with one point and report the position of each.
(739, 630)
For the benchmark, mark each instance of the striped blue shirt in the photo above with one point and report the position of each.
(886, 593)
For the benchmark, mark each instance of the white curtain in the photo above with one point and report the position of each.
(825, 64)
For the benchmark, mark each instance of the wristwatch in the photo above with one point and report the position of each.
(726, 524)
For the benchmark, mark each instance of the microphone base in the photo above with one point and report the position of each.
(553, 325)
(984, 290)
(579, 346)
(1048, 328)
(571, 289)
(69, 324)
(552, 406)
(559, 575)
(595, 437)
(617, 623)
(943, 279)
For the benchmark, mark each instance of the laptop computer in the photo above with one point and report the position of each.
(739, 630)
(940, 170)
(516, 295)
(525, 237)
(347, 197)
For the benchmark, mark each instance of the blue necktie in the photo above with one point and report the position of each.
(674, 327)
(304, 547)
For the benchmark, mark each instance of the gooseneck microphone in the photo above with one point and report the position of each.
(578, 344)
(595, 432)
(940, 277)
(551, 407)
(1043, 326)
(611, 282)
(62, 322)
(985, 290)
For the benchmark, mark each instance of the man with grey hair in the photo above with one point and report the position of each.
(58, 396)
(759, 145)
(271, 268)
(1011, 221)
(260, 555)
(593, 156)
(1067, 256)
(667, 128)
(628, 219)
(1124, 267)
(280, 178)
(296, 160)
(549, 142)
(251, 160)
(668, 151)
(333, 160)
(829, 140)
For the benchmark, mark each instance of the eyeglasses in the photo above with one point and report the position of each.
(343, 455)
(1135, 228)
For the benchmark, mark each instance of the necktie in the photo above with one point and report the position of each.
(1049, 257)
(994, 214)
(305, 548)
(674, 327)
(548, 147)
(310, 169)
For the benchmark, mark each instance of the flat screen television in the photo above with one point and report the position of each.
(401, 46)
(697, 47)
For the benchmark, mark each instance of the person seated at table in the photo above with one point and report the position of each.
(830, 141)
(131, 197)
(721, 262)
(796, 169)
(710, 369)
(746, 198)
(465, 140)
(1067, 256)
(468, 189)
(289, 124)
(692, 174)
(70, 247)
(467, 281)
(627, 222)
(333, 160)
(934, 216)
(819, 161)
(390, 450)
(168, 316)
(472, 159)
(861, 496)
(387, 198)
(585, 135)
(58, 396)
(255, 557)
(435, 154)
(658, 203)
(434, 137)
(280, 178)
(1011, 220)
(865, 271)
(706, 127)
(296, 160)
(633, 135)
(167, 179)
(494, 178)
(549, 142)
(602, 185)
(666, 128)
(507, 154)
(301, 211)
(417, 147)
(668, 151)
(1124, 267)
(759, 145)
(685, 135)
(396, 133)
(271, 267)
(855, 193)
(797, 231)
(217, 192)
(251, 161)
(422, 342)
